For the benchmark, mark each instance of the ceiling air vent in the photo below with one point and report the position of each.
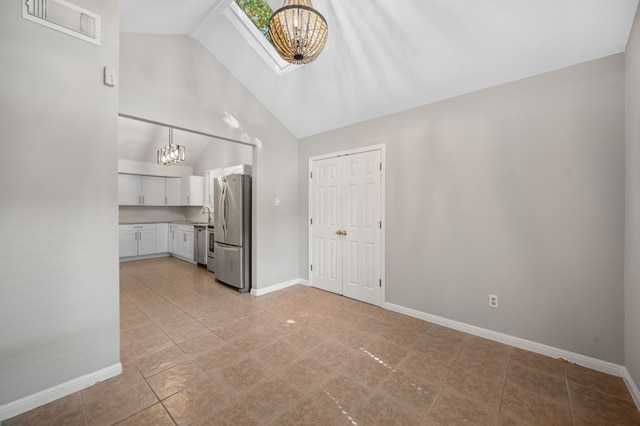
(65, 17)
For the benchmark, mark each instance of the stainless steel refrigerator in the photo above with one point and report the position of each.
(232, 222)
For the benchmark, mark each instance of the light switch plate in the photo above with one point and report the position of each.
(110, 78)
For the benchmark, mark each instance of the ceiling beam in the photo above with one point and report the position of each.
(184, 129)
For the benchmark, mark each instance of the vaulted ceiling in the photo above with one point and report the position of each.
(386, 56)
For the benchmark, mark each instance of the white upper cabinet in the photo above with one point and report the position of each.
(128, 190)
(152, 190)
(138, 190)
(192, 191)
(135, 190)
(172, 191)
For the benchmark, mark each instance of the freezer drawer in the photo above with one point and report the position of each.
(229, 266)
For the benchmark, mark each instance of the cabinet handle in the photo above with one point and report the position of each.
(188, 199)
(143, 199)
(184, 237)
(165, 201)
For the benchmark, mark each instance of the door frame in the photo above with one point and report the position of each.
(368, 148)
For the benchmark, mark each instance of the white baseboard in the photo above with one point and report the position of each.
(585, 361)
(143, 257)
(30, 402)
(633, 388)
(275, 287)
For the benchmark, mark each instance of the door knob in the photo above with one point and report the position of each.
(341, 232)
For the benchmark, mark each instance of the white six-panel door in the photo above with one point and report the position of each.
(326, 217)
(346, 225)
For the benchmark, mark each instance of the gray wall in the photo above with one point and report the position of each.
(58, 203)
(632, 265)
(518, 191)
(222, 153)
(174, 80)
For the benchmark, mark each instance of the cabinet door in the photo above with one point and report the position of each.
(152, 190)
(146, 241)
(186, 248)
(128, 242)
(162, 237)
(172, 191)
(128, 190)
(174, 238)
(192, 191)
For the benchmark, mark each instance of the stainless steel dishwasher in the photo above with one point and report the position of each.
(200, 244)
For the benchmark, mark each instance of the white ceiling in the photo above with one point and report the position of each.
(386, 56)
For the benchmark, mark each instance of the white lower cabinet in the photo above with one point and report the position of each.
(138, 240)
(162, 238)
(157, 239)
(181, 241)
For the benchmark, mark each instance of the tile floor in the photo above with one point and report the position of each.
(197, 352)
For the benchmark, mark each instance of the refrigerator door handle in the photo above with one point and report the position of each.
(222, 185)
(225, 206)
(226, 209)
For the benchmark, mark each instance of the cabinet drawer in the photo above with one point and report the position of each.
(138, 227)
(180, 227)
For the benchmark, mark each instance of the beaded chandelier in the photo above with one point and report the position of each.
(297, 31)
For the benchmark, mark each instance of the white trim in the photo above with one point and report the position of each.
(359, 150)
(257, 40)
(633, 388)
(276, 287)
(144, 257)
(44, 397)
(383, 244)
(539, 348)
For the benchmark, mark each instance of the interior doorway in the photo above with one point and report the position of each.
(346, 239)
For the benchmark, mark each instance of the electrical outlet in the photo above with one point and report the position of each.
(493, 300)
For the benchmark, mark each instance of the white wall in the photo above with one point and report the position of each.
(222, 153)
(517, 191)
(152, 169)
(632, 264)
(58, 204)
(173, 79)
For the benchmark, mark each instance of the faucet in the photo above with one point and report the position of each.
(207, 210)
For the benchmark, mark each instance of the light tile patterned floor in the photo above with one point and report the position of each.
(197, 352)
